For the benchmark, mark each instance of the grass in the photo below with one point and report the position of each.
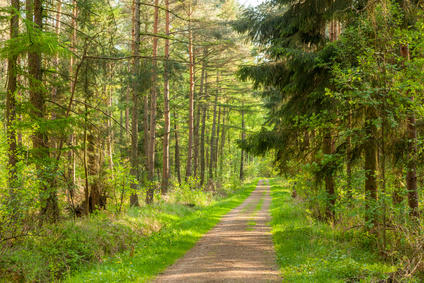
(311, 251)
(151, 255)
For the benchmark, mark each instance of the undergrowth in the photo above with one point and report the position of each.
(312, 251)
(131, 246)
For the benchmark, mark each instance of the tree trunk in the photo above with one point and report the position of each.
(56, 59)
(152, 139)
(11, 101)
(243, 136)
(202, 135)
(199, 108)
(371, 168)
(93, 170)
(191, 96)
(218, 130)
(328, 149)
(167, 128)
(177, 149)
(222, 146)
(212, 140)
(411, 167)
(40, 141)
(135, 94)
(71, 160)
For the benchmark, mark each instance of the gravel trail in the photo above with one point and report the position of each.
(238, 249)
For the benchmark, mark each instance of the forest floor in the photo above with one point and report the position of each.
(238, 249)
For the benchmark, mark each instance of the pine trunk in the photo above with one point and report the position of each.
(212, 140)
(191, 98)
(152, 138)
(203, 132)
(11, 102)
(328, 149)
(135, 94)
(177, 149)
(167, 128)
(242, 138)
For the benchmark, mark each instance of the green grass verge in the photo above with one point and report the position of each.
(154, 253)
(310, 251)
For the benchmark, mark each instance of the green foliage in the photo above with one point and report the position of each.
(113, 247)
(315, 251)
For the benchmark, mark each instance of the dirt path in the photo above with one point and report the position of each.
(238, 249)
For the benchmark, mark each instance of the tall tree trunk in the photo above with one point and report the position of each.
(177, 149)
(204, 110)
(328, 149)
(198, 118)
(243, 136)
(212, 140)
(71, 160)
(152, 139)
(191, 96)
(411, 173)
(167, 128)
(135, 94)
(93, 171)
(371, 165)
(87, 185)
(40, 141)
(56, 59)
(218, 130)
(11, 102)
(222, 145)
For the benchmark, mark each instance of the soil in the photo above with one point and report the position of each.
(238, 249)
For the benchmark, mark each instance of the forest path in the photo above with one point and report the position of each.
(238, 249)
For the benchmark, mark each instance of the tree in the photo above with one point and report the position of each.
(167, 113)
(135, 95)
(152, 138)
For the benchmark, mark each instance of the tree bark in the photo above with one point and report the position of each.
(167, 128)
(93, 171)
(177, 149)
(71, 161)
(135, 94)
(243, 136)
(191, 96)
(12, 80)
(152, 138)
(199, 107)
(204, 110)
(328, 149)
(222, 145)
(212, 140)
(218, 130)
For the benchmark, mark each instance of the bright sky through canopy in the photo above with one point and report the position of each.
(253, 3)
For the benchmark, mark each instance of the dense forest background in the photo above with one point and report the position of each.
(116, 104)
(96, 101)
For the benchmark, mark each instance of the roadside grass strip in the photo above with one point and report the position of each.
(181, 229)
(311, 251)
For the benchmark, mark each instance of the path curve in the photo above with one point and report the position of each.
(238, 249)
